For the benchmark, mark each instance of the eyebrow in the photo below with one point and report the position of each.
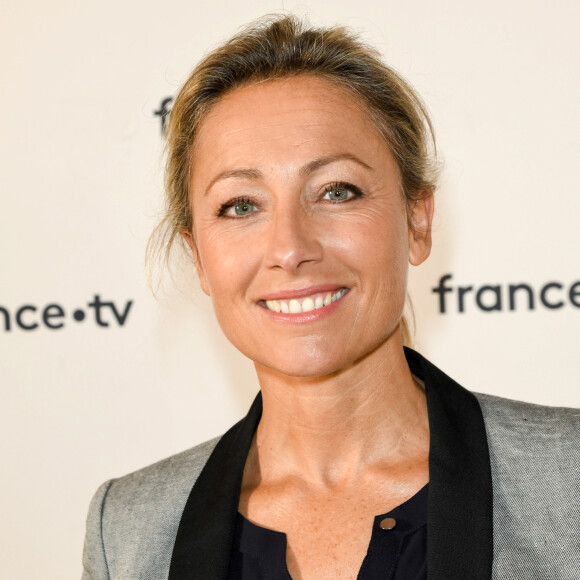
(305, 171)
(315, 164)
(251, 174)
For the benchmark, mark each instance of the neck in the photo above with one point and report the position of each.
(331, 429)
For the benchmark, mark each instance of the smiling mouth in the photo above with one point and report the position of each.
(306, 304)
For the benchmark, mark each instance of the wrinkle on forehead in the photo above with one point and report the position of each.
(245, 128)
(230, 106)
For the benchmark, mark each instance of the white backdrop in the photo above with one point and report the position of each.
(138, 379)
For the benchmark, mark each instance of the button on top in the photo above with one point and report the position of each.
(388, 523)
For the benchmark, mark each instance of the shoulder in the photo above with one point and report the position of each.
(133, 520)
(524, 436)
(159, 488)
(519, 421)
(166, 477)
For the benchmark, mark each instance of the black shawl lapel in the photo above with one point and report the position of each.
(460, 512)
(459, 519)
(206, 531)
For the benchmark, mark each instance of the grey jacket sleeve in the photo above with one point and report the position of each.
(94, 559)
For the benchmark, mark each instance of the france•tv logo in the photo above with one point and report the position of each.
(552, 295)
(54, 316)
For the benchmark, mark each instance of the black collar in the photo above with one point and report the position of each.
(459, 517)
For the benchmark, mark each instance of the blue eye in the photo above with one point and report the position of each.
(243, 208)
(341, 191)
(235, 208)
(338, 194)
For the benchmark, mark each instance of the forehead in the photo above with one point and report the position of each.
(284, 122)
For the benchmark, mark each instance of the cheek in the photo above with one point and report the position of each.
(379, 249)
(375, 236)
(228, 265)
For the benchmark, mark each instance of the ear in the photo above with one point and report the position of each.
(188, 237)
(421, 219)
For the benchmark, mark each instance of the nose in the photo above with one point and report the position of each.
(293, 240)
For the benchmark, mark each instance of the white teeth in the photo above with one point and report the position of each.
(308, 304)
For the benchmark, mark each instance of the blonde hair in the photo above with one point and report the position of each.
(275, 47)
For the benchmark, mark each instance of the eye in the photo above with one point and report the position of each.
(243, 208)
(237, 208)
(338, 192)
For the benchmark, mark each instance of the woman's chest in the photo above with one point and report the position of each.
(335, 538)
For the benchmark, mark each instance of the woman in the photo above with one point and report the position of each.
(300, 174)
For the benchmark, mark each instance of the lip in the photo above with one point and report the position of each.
(302, 292)
(305, 317)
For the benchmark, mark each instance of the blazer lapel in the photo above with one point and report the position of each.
(460, 511)
(459, 518)
(206, 531)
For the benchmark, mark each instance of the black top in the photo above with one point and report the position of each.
(399, 553)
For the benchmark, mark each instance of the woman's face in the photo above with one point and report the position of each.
(301, 233)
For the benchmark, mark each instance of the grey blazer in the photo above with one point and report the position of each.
(504, 496)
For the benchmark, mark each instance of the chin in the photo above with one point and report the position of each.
(318, 355)
(301, 361)
(314, 363)
(301, 371)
